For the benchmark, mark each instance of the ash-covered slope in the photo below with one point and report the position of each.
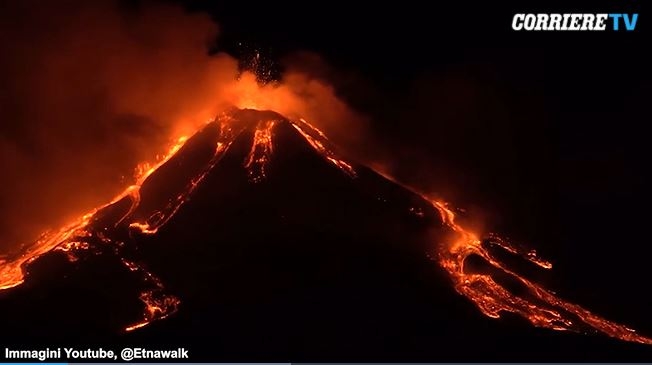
(258, 243)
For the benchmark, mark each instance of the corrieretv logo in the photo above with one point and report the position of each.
(574, 22)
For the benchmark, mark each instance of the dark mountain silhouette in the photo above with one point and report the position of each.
(282, 256)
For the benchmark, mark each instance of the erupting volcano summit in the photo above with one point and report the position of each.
(258, 225)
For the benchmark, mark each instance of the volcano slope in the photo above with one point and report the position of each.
(269, 247)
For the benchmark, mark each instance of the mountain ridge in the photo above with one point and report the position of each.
(259, 229)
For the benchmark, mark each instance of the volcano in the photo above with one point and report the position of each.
(256, 240)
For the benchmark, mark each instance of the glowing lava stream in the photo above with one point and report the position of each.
(492, 298)
(261, 151)
(306, 129)
(11, 272)
(544, 309)
(70, 238)
(541, 307)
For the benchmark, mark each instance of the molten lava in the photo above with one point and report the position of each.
(544, 309)
(308, 131)
(540, 306)
(158, 305)
(71, 238)
(261, 151)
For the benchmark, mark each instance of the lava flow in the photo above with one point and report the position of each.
(544, 309)
(261, 150)
(539, 306)
(73, 237)
(11, 266)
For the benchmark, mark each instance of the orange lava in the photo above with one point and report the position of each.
(69, 238)
(261, 151)
(158, 304)
(540, 307)
(544, 309)
(11, 272)
(313, 135)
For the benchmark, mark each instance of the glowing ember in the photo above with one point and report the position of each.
(11, 267)
(530, 255)
(261, 151)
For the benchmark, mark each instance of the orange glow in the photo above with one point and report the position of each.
(158, 305)
(69, 239)
(306, 130)
(11, 272)
(261, 151)
(160, 218)
(540, 307)
(247, 93)
(543, 309)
